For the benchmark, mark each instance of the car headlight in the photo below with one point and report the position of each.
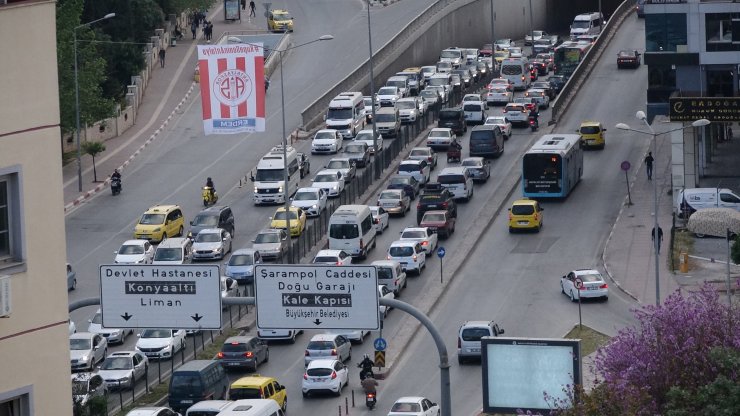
(314, 206)
(334, 187)
(84, 358)
(280, 189)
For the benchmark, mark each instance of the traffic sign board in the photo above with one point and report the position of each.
(441, 252)
(160, 296)
(380, 358)
(316, 297)
(380, 344)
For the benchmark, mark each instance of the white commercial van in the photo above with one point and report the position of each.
(351, 229)
(690, 200)
(253, 407)
(516, 70)
(454, 56)
(586, 24)
(269, 177)
(401, 82)
(346, 114)
(174, 251)
(458, 181)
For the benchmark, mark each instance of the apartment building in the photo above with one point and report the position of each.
(34, 346)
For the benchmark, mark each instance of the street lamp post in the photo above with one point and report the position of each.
(493, 37)
(377, 154)
(77, 99)
(656, 237)
(531, 25)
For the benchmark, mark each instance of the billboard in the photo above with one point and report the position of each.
(232, 87)
(231, 10)
(716, 110)
(518, 371)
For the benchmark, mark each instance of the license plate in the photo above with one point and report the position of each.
(522, 222)
(391, 205)
(268, 200)
(590, 140)
(150, 354)
(593, 288)
(186, 401)
(432, 206)
(474, 349)
(234, 364)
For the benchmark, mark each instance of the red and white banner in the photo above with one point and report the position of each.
(232, 86)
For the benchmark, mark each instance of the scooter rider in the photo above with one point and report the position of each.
(367, 367)
(534, 115)
(209, 184)
(116, 175)
(369, 385)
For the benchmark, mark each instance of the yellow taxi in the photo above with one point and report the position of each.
(160, 222)
(297, 220)
(500, 55)
(525, 214)
(257, 386)
(279, 20)
(592, 134)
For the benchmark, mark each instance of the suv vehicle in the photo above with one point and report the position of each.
(435, 197)
(388, 121)
(218, 216)
(160, 222)
(469, 335)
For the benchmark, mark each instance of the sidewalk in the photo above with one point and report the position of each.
(629, 256)
(169, 89)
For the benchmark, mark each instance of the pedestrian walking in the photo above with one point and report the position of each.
(162, 54)
(649, 164)
(251, 9)
(194, 28)
(729, 132)
(659, 237)
(244, 4)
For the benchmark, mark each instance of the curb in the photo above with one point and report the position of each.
(89, 194)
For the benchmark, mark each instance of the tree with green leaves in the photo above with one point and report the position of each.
(93, 149)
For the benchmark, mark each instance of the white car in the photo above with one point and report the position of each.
(329, 180)
(474, 97)
(538, 34)
(387, 96)
(499, 95)
(86, 349)
(311, 200)
(409, 253)
(430, 97)
(211, 244)
(422, 235)
(583, 284)
(424, 153)
(419, 169)
(440, 137)
(113, 335)
(384, 293)
(344, 165)
(329, 376)
(381, 219)
(442, 92)
(135, 252)
(326, 141)
(332, 257)
(160, 343)
(539, 96)
(408, 109)
(516, 113)
(515, 52)
(414, 406)
(122, 369)
(503, 123)
(366, 136)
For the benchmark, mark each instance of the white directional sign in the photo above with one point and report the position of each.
(316, 297)
(159, 296)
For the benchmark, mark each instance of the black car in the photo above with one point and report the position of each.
(357, 152)
(453, 118)
(557, 82)
(304, 164)
(218, 216)
(435, 198)
(408, 183)
(465, 76)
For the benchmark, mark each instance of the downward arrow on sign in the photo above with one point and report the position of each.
(317, 322)
(126, 316)
(196, 317)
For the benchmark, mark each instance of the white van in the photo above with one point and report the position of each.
(253, 407)
(351, 229)
(401, 82)
(208, 408)
(174, 251)
(346, 114)
(516, 70)
(458, 181)
(690, 200)
(391, 275)
(586, 24)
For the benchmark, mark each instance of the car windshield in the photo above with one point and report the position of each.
(439, 81)
(472, 163)
(208, 237)
(343, 231)
(396, 83)
(450, 54)
(267, 238)
(149, 219)
(306, 196)
(405, 105)
(280, 215)
(327, 177)
(338, 164)
(325, 135)
(389, 195)
(404, 251)
(156, 333)
(269, 175)
(419, 152)
(234, 347)
(385, 273)
(406, 407)
(324, 259)
(474, 334)
(167, 254)
(368, 101)
(204, 220)
(522, 209)
(453, 178)
(590, 129)
(407, 167)
(80, 344)
(387, 91)
(319, 372)
(385, 118)
(400, 180)
(449, 115)
(185, 385)
(117, 363)
(473, 107)
(355, 148)
(433, 217)
(320, 345)
(590, 277)
(429, 94)
(241, 260)
(339, 114)
(496, 120)
(439, 133)
(131, 249)
(240, 393)
(580, 24)
(413, 234)
(364, 136)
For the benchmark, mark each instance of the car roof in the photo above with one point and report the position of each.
(469, 324)
(244, 251)
(342, 159)
(328, 171)
(409, 399)
(324, 337)
(82, 335)
(133, 243)
(474, 158)
(270, 231)
(404, 242)
(411, 162)
(391, 263)
(328, 252)
(445, 129)
(308, 189)
(590, 123)
(241, 339)
(586, 271)
(455, 170)
(326, 130)
(211, 231)
(415, 229)
(434, 211)
(122, 354)
(395, 191)
(322, 363)
(253, 380)
(161, 209)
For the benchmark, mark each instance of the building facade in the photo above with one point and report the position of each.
(34, 345)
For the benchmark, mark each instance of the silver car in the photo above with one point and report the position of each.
(344, 165)
(211, 244)
(424, 153)
(366, 136)
(394, 201)
(122, 369)
(328, 346)
(272, 244)
(241, 264)
(86, 349)
(478, 167)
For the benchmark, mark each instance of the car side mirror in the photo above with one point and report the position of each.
(254, 241)
(89, 320)
(563, 277)
(138, 335)
(115, 252)
(603, 129)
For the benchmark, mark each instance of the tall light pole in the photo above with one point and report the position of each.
(531, 25)
(493, 37)
(656, 237)
(376, 162)
(77, 99)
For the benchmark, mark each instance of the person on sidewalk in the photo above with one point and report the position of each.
(244, 4)
(251, 9)
(162, 54)
(194, 28)
(659, 237)
(649, 164)
(209, 33)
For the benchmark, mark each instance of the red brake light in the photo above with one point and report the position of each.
(444, 205)
(307, 354)
(333, 375)
(305, 376)
(418, 205)
(604, 286)
(425, 243)
(334, 351)
(370, 395)
(249, 354)
(339, 263)
(220, 355)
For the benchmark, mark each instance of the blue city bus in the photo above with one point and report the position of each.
(553, 166)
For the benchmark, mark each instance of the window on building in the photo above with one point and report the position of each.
(661, 83)
(11, 247)
(663, 32)
(16, 406)
(720, 31)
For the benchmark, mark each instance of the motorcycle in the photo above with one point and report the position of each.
(210, 197)
(533, 123)
(115, 186)
(370, 400)
(365, 373)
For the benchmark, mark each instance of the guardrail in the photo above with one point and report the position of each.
(583, 70)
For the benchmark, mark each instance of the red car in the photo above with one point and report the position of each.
(440, 222)
(627, 58)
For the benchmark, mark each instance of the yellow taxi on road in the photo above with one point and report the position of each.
(160, 222)
(592, 134)
(279, 20)
(257, 386)
(525, 214)
(500, 55)
(297, 220)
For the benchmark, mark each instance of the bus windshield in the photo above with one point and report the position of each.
(269, 175)
(542, 173)
(339, 114)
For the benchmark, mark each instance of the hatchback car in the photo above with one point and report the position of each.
(211, 244)
(331, 346)
(219, 216)
(330, 180)
(243, 352)
(160, 343)
(357, 152)
(326, 141)
(499, 95)
(394, 201)
(329, 376)
(517, 113)
(86, 350)
(592, 134)
(366, 136)
(424, 153)
(469, 338)
(409, 184)
(297, 220)
(272, 244)
(122, 369)
(478, 167)
(332, 258)
(409, 109)
(423, 235)
(419, 169)
(113, 335)
(539, 96)
(525, 214)
(414, 406)
(440, 222)
(440, 138)
(344, 165)
(86, 386)
(380, 218)
(409, 253)
(584, 284)
(160, 222)
(241, 264)
(134, 252)
(311, 200)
